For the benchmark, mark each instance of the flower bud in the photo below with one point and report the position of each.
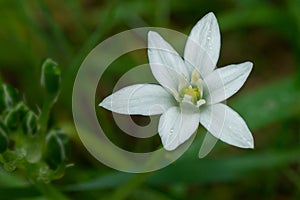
(11, 159)
(58, 148)
(50, 77)
(22, 109)
(8, 97)
(11, 119)
(42, 173)
(29, 124)
(3, 138)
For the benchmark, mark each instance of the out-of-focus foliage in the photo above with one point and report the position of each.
(266, 32)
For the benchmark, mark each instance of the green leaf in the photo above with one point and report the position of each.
(268, 104)
(19, 192)
(226, 168)
(111, 180)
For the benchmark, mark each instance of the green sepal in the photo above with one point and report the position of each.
(57, 148)
(8, 97)
(50, 77)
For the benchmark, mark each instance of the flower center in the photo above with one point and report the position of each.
(193, 93)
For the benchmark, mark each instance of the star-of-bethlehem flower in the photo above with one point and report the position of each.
(191, 90)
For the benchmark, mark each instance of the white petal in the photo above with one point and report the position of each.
(177, 125)
(139, 99)
(225, 81)
(169, 78)
(162, 53)
(207, 145)
(227, 125)
(203, 45)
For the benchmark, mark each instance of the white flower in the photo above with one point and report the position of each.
(191, 90)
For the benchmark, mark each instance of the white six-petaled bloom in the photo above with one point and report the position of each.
(190, 90)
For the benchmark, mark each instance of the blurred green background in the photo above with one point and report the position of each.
(266, 32)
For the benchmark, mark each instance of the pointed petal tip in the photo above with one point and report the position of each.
(251, 144)
(247, 145)
(152, 34)
(248, 66)
(202, 155)
(153, 39)
(210, 14)
(210, 17)
(102, 104)
(106, 103)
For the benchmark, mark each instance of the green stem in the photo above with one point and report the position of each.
(127, 188)
(50, 192)
(43, 121)
(45, 114)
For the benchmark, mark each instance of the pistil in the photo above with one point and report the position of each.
(194, 91)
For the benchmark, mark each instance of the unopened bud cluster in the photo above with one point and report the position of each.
(23, 146)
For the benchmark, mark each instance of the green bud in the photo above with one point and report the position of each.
(22, 109)
(58, 148)
(42, 173)
(12, 159)
(29, 124)
(3, 138)
(8, 96)
(11, 119)
(50, 78)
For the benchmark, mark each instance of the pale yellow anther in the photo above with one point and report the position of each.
(195, 76)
